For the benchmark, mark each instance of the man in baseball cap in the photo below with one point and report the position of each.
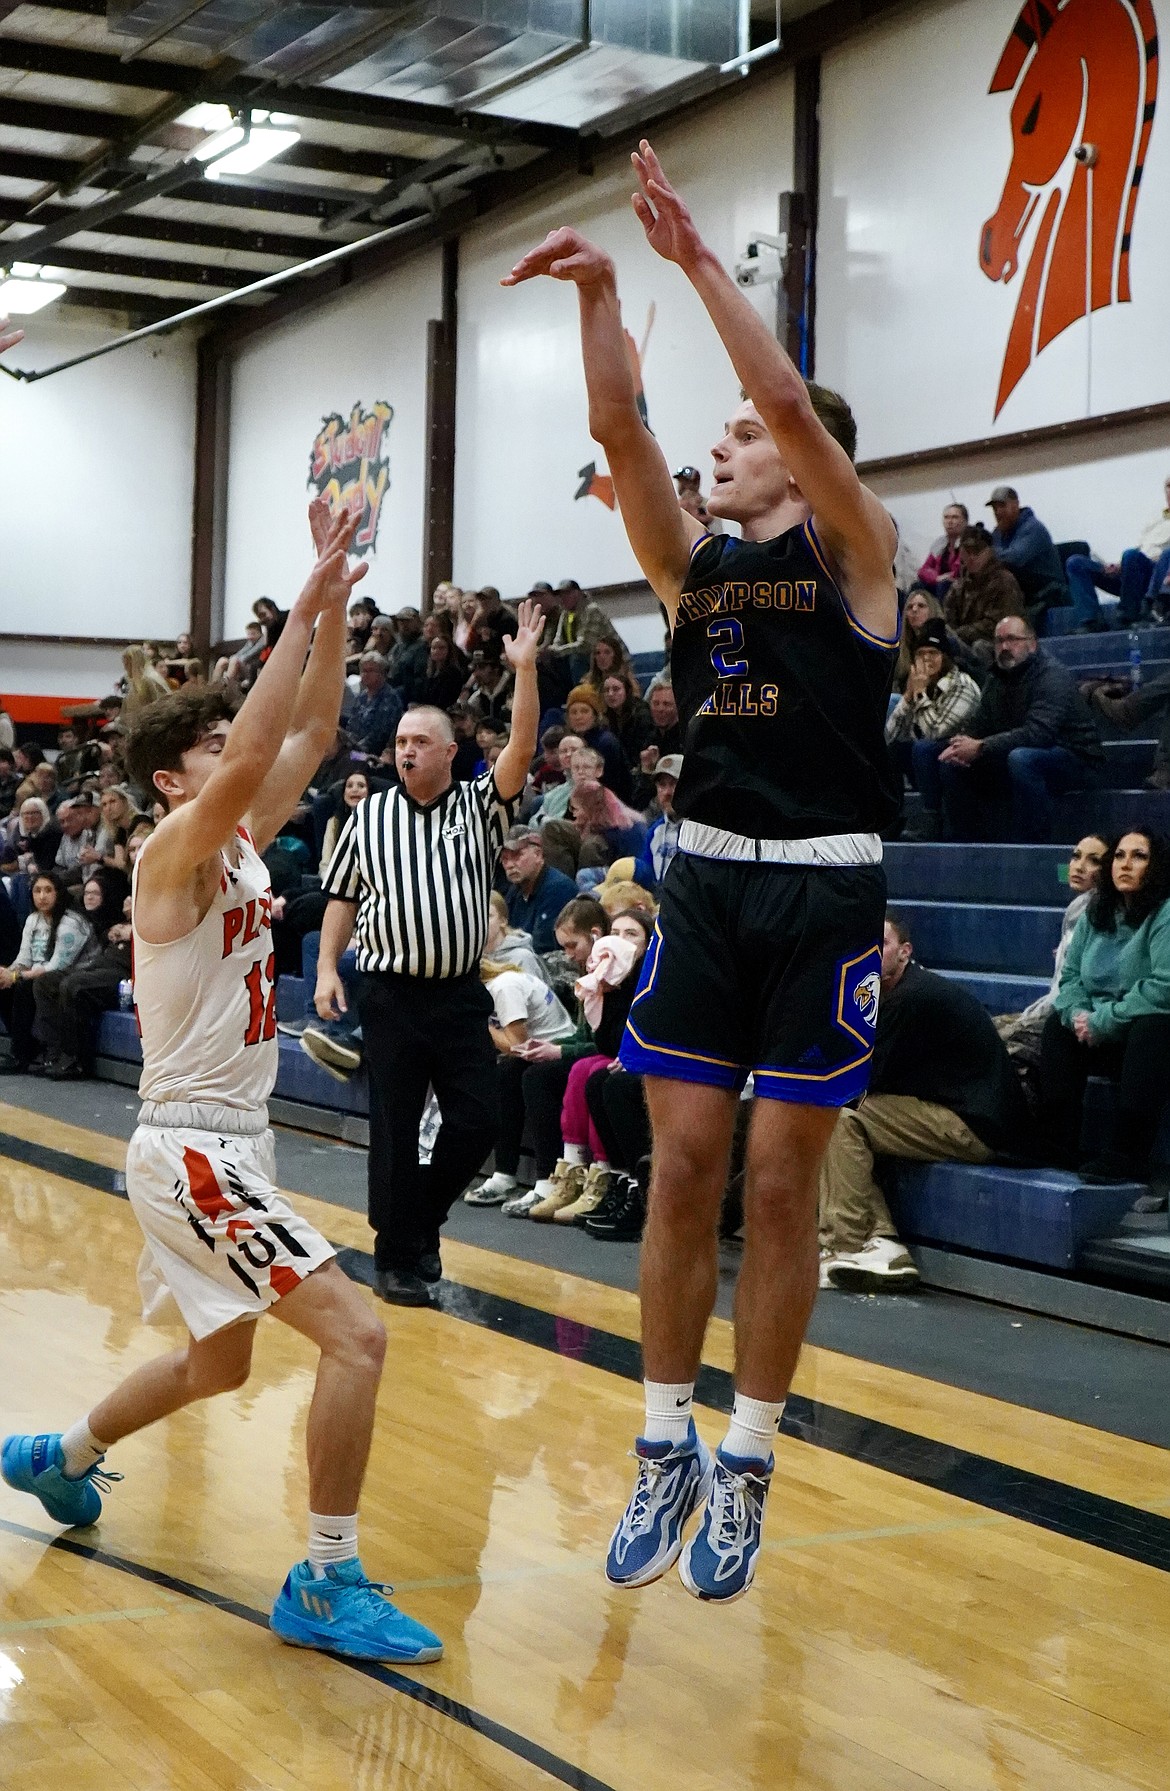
(1025, 547)
(663, 841)
(536, 892)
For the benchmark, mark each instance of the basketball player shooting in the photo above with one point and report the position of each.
(200, 1172)
(767, 955)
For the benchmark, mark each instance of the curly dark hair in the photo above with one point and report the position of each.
(1108, 904)
(162, 732)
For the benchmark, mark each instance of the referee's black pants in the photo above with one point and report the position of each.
(420, 1031)
(530, 1094)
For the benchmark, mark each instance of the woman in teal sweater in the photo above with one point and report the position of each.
(1111, 1014)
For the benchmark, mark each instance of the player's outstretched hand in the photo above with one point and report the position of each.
(332, 578)
(520, 649)
(670, 229)
(320, 522)
(564, 255)
(9, 334)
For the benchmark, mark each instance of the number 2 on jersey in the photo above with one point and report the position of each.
(261, 1012)
(727, 654)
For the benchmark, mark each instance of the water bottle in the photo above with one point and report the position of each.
(1135, 659)
(126, 995)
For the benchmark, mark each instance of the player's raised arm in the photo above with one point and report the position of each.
(317, 707)
(246, 753)
(659, 533)
(520, 652)
(851, 522)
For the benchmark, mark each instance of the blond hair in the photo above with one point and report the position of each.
(616, 897)
(490, 968)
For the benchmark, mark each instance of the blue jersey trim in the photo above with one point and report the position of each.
(645, 1057)
(886, 644)
(784, 1085)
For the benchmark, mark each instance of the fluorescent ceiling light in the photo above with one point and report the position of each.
(260, 145)
(206, 117)
(221, 142)
(20, 296)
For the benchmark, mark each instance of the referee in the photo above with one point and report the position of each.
(412, 873)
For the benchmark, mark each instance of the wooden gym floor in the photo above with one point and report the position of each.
(954, 1591)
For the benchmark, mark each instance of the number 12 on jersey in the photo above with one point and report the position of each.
(261, 1009)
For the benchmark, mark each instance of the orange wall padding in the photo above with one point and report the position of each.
(45, 710)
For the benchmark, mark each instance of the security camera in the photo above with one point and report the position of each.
(762, 262)
(1086, 155)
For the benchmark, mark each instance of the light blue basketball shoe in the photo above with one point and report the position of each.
(719, 1562)
(673, 1480)
(33, 1464)
(345, 1613)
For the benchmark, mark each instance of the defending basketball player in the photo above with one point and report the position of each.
(221, 1239)
(767, 955)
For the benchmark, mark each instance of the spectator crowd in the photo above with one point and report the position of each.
(986, 726)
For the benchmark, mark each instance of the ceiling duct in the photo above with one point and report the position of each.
(566, 62)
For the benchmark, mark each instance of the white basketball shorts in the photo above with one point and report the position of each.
(220, 1235)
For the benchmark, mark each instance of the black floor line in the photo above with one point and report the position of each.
(524, 1749)
(1049, 1504)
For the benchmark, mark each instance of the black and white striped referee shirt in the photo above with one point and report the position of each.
(421, 877)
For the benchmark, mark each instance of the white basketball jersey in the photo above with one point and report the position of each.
(206, 1003)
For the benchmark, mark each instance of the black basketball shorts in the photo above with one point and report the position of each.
(768, 968)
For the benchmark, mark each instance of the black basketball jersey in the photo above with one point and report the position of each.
(782, 695)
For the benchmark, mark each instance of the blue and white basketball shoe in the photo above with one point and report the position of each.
(719, 1562)
(34, 1464)
(345, 1613)
(673, 1480)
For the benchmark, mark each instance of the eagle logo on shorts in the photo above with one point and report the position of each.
(866, 995)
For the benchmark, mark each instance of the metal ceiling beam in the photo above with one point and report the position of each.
(129, 267)
(91, 65)
(36, 57)
(333, 104)
(72, 219)
(173, 230)
(372, 205)
(338, 106)
(59, 173)
(64, 121)
(140, 305)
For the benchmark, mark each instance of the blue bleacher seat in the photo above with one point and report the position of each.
(998, 992)
(1127, 764)
(983, 936)
(297, 1079)
(1039, 1216)
(1111, 811)
(977, 873)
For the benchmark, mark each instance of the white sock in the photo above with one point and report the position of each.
(668, 1410)
(81, 1449)
(332, 1541)
(753, 1427)
(574, 1155)
(543, 1188)
(501, 1182)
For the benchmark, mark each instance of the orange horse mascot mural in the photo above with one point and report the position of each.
(1085, 78)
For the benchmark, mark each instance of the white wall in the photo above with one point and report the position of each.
(365, 346)
(1106, 500)
(96, 476)
(38, 669)
(522, 431)
(915, 155)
